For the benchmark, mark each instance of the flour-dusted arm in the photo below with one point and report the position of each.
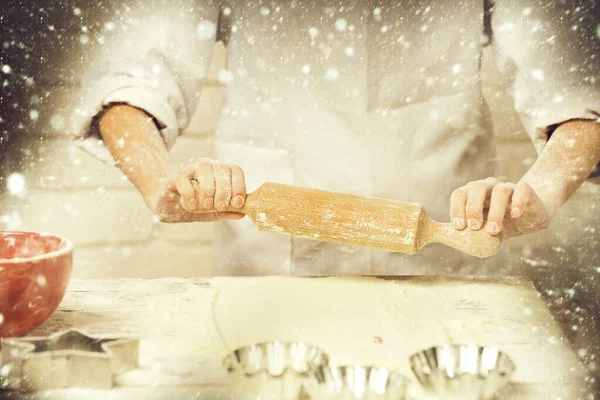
(548, 53)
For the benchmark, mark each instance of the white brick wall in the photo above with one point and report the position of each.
(73, 194)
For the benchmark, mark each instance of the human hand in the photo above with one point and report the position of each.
(220, 186)
(510, 209)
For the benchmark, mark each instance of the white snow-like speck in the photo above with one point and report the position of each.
(58, 122)
(206, 30)
(41, 280)
(341, 24)
(332, 74)
(538, 74)
(225, 76)
(16, 184)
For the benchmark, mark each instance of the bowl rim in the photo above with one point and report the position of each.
(68, 248)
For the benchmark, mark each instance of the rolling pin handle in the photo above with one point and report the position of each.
(476, 243)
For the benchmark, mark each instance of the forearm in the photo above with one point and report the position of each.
(137, 147)
(565, 163)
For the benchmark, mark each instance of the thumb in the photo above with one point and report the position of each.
(229, 215)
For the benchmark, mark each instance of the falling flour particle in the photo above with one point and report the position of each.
(538, 74)
(341, 24)
(1, 319)
(264, 11)
(77, 11)
(306, 68)
(206, 30)
(41, 280)
(332, 74)
(313, 32)
(225, 76)
(16, 184)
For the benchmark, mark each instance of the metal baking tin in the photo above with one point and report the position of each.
(65, 359)
(357, 382)
(273, 370)
(466, 372)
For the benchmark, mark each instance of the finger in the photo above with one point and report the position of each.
(238, 187)
(223, 186)
(458, 203)
(186, 192)
(500, 198)
(477, 192)
(205, 176)
(520, 197)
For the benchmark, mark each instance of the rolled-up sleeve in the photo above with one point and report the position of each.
(156, 60)
(549, 55)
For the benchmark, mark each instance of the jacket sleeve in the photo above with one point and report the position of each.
(156, 60)
(549, 55)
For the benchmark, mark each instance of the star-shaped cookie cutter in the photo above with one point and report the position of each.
(65, 359)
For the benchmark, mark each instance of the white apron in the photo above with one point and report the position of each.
(350, 104)
(378, 99)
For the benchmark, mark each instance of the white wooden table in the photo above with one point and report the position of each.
(187, 326)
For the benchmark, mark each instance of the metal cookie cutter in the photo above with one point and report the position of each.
(65, 359)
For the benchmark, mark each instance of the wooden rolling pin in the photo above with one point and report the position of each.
(390, 225)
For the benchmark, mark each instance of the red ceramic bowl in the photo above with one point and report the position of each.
(34, 273)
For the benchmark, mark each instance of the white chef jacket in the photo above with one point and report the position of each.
(373, 98)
